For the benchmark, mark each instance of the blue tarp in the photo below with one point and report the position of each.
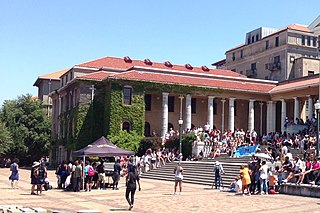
(245, 151)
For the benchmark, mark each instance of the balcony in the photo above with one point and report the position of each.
(252, 73)
(274, 66)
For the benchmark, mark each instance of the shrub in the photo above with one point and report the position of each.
(149, 142)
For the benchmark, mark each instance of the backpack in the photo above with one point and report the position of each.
(90, 171)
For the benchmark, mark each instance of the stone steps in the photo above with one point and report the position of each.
(196, 172)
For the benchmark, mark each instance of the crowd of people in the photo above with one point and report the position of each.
(259, 176)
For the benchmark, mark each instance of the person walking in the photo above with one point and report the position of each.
(178, 171)
(218, 171)
(131, 180)
(14, 177)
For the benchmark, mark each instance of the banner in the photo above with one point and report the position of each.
(245, 151)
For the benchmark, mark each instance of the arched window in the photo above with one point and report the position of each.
(147, 129)
(126, 126)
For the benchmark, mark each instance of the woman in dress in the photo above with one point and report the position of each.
(245, 178)
(178, 171)
(14, 177)
(131, 180)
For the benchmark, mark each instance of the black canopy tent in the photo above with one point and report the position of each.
(101, 148)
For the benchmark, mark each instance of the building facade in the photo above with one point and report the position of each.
(104, 96)
(284, 54)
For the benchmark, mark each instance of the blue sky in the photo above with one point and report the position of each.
(40, 37)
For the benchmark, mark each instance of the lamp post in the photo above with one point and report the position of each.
(317, 107)
(180, 126)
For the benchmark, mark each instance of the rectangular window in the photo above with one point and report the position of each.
(127, 92)
(254, 66)
(233, 56)
(214, 107)
(171, 103)
(310, 72)
(276, 59)
(235, 108)
(193, 105)
(147, 102)
(266, 66)
(303, 40)
(241, 53)
(314, 41)
(309, 41)
(277, 42)
(267, 44)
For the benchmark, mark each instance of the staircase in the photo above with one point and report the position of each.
(200, 172)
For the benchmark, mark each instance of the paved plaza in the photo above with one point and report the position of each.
(156, 196)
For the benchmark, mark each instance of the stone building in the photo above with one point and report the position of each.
(103, 96)
(284, 54)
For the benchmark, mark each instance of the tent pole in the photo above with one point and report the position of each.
(83, 175)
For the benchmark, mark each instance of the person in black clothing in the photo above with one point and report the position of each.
(33, 176)
(101, 175)
(131, 180)
(116, 174)
(41, 174)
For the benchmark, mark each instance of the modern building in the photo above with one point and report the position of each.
(271, 54)
(104, 96)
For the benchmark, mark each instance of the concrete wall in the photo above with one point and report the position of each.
(300, 190)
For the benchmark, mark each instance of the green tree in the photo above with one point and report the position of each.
(5, 140)
(29, 126)
(127, 140)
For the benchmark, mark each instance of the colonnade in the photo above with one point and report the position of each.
(270, 117)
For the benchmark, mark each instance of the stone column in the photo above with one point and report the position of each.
(273, 114)
(269, 116)
(251, 115)
(188, 111)
(310, 107)
(210, 110)
(261, 105)
(165, 113)
(283, 114)
(296, 109)
(231, 114)
(222, 115)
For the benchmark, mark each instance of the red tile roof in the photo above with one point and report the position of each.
(195, 81)
(97, 76)
(296, 84)
(54, 75)
(299, 27)
(119, 63)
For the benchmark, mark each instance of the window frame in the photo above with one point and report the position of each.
(125, 101)
(148, 102)
(171, 100)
